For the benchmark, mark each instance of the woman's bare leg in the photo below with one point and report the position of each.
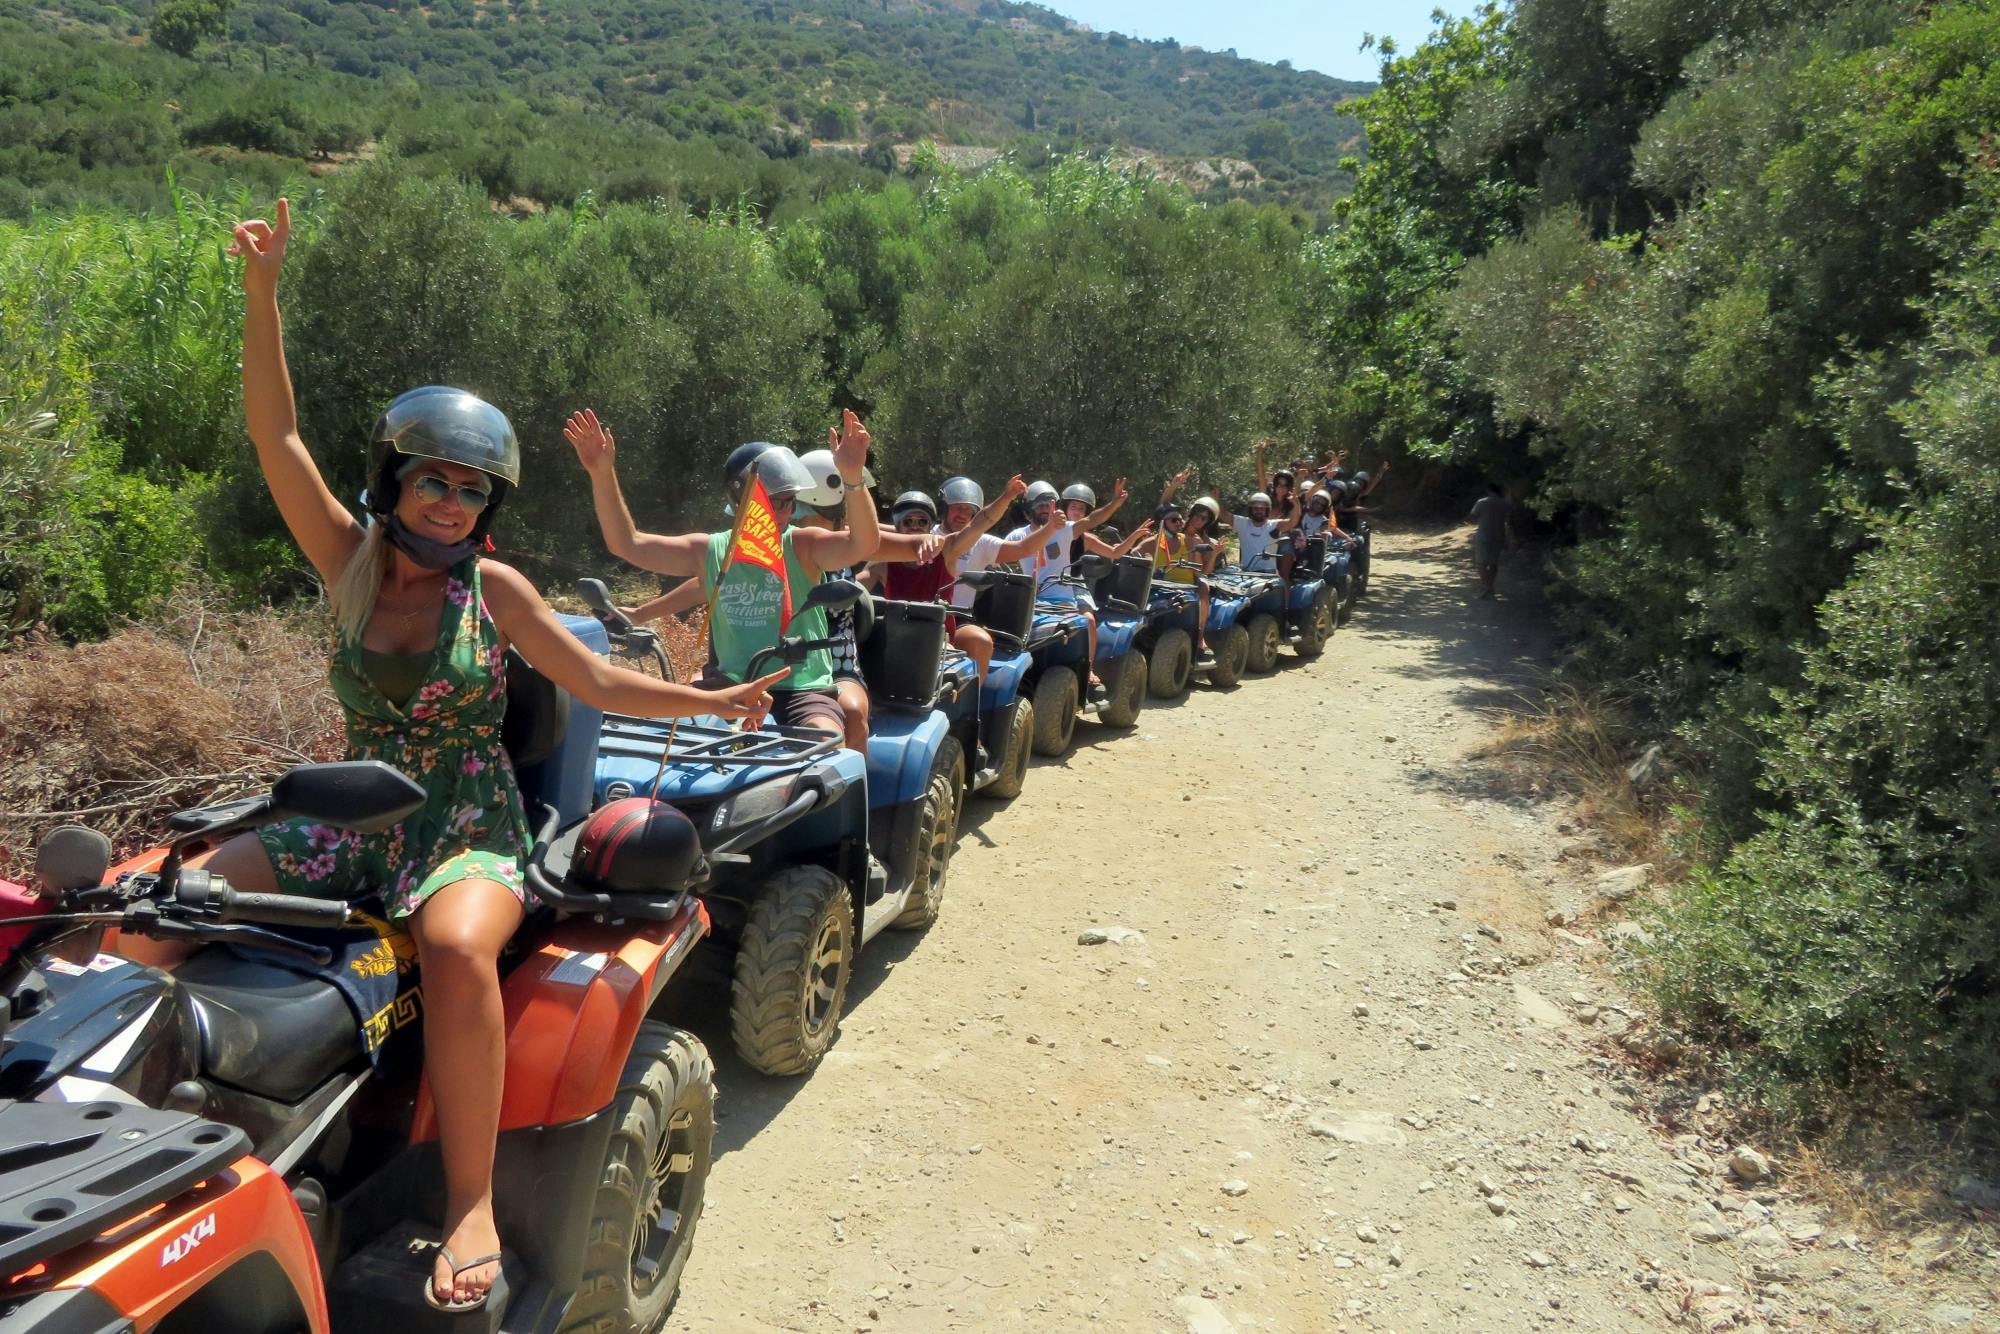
(976, 644)
(460, 931)
(853, 699)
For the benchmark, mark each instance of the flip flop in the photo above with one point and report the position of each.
(420, 1246)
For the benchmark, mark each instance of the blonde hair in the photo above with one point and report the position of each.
(360, 583)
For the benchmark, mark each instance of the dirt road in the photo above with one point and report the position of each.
(1343, 1079)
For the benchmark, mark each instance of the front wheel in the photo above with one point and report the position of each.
(1264, 641)
(791, 970)
(1232, 651)
(1171, 659)
(930, 849)
(649, 1193)
(1318, 628)
(1127, 688)
(1055, 711)
(1014, 754)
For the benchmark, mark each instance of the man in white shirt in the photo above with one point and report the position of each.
(965, 508)
(1063, 535)
(1256, 536)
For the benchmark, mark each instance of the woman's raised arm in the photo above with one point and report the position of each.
(319, 523)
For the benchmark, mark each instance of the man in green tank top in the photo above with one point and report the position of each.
(749, 604)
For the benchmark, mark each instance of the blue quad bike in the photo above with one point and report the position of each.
(812, 850)
(1298, 611)
(1058, 642)
(1166, 634)
(1228, 640)
(1001, 720)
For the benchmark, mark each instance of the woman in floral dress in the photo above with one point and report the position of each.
(424, 622)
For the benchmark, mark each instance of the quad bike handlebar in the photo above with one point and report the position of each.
(174, 902)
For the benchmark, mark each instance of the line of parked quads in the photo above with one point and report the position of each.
(223, 1149)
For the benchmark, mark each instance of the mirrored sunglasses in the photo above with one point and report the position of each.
(431, 488)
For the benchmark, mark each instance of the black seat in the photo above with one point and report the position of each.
(537, 714)
(268, 1030)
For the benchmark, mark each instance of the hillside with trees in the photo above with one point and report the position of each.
(692, 101)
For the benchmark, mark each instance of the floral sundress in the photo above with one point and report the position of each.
(447, 736)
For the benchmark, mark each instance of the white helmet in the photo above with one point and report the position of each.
(827, 487)
(1205, 503)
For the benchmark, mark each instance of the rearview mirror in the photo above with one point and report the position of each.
(366, 796)
(598, 598)
(72, 857)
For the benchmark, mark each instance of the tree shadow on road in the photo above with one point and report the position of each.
(1422, 589)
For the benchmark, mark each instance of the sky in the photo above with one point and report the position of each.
(1322, 36)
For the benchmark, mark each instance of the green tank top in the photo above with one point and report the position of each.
(746, 617)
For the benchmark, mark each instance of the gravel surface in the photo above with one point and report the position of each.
(1264, 1016)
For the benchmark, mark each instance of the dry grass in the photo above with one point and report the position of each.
(1585, 742)
(117, 734)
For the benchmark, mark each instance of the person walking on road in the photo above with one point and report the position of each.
(1490, 516)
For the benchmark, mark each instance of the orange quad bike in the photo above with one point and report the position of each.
(246, 1145)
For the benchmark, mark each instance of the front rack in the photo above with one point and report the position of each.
(720, 747)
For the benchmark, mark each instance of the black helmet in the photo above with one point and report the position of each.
(637, 846)
(452, 426)
(1078, 491)
(779, 467)
(1284, 475)
(962, 491)
(1164, 509)
(1362, 478)
(911, 501)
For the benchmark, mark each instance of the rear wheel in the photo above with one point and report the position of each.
(1264, 642)
(791, 970)
(1318, 628)
(937, 827)
(649, 1194)
(1127, 688)
(1055, 711)
(1014, 753)
(1170, 660)
(1232, 650)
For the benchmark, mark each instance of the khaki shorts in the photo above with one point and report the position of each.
(792, 708)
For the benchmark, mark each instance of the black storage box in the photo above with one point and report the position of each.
(899, 659)
(1131, 582)
(1312, 560)
(1007, 606)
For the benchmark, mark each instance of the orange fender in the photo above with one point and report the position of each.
(149, 1266)
(573, 1008)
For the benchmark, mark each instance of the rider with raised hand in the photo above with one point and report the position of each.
(1350, 513)
(423, 621)
(967, 545)
(1066, 527)
(1282, 487)
(823, 507)
(966, 512)
(1175, 550)
(748, 599)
